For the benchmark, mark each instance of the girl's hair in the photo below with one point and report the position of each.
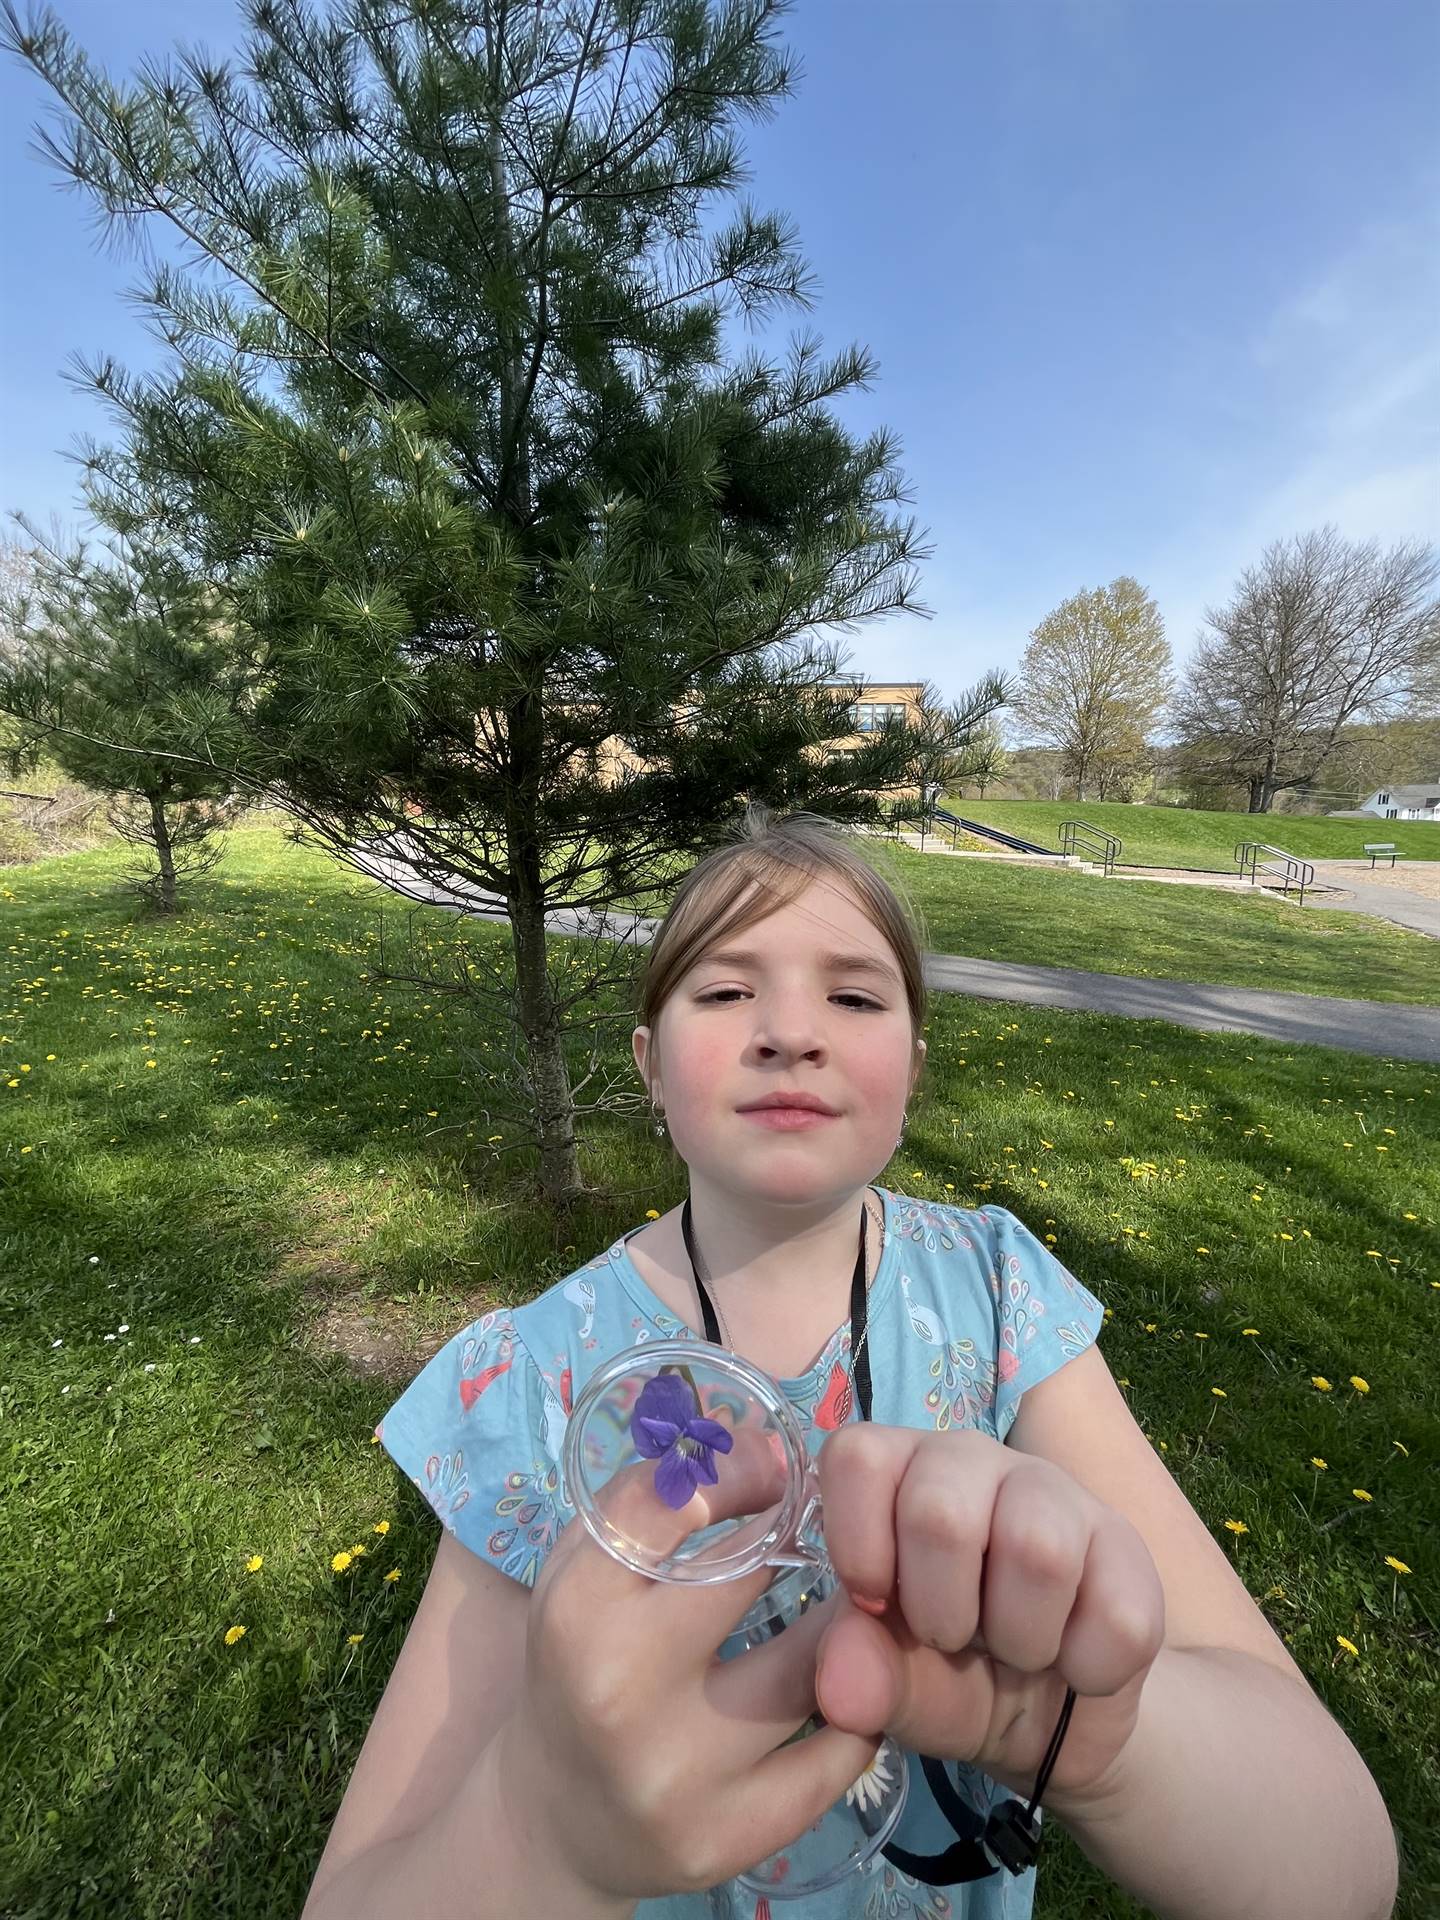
(774, 859)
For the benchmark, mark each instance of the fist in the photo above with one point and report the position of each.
(981, 1582)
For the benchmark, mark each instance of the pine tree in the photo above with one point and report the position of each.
(106, 642)
(464, 434)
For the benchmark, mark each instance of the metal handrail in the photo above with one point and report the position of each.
(1109, 844)
(929, 820)
(1293, 871)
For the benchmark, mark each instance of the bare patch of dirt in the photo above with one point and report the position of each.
(377, 1337)
(1421, 876)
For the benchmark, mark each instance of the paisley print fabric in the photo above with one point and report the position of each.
(968, 1310)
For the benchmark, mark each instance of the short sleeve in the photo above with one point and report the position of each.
(1045, 1315)
(478, 1431)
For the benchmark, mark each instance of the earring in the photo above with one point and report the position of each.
(659, 1113)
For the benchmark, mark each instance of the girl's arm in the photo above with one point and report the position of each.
(1236, 1796)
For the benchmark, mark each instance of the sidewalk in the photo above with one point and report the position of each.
(1301, 1019)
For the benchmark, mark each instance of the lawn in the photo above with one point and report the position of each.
(1186, 837)
(992, 910)
(224, 1149)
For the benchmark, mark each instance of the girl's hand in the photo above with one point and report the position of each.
(1002, 1582)
(634, 1758)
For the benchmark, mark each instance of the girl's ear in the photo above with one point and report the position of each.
(640, 1047)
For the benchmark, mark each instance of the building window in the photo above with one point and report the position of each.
(872, 714)
(1382, 799)
(1390, 813)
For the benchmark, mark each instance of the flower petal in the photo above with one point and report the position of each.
(653, 1437)
(675, 1479)
(710, 1433)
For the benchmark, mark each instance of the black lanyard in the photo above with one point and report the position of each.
(966, 1858)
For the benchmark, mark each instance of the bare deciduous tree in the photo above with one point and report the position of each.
(1323, 632)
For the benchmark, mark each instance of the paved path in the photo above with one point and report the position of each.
(1414, 910)
(1355, 1026)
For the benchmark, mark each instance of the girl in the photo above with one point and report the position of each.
(557, 1737)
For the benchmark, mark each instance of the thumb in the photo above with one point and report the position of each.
(859, 1673)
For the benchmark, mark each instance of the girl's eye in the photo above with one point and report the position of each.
(856, 1000)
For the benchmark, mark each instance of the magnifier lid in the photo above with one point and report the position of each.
(600, 1442)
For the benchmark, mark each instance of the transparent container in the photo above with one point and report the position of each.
(701, 1412)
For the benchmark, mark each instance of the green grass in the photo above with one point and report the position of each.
(309, 1141)
(1186, 837)
(1150, 930)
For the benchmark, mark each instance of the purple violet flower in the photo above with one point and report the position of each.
(667, 1426)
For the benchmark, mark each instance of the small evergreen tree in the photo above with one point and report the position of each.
(464, 435)
(105, 644)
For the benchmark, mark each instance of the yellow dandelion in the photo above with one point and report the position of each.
(1249, 1329)
(1237, 1526)
(392, 1576)
(232, 1634)
(340, 1562)
(1220, 1393)
(1360, 1386)
(254, 1563)
(354, 1640)
(1316, 1461)
(1202, 1336)
(652, 1213)
(1398, 1565)
(381, 1526)
(1287, 1236)
(1348, 1645)
(1361, 1494)
(1373, 1253)
(1318, 1380)
(1275, 1593)
(1402, 1446)
(1202, 1249)
(1150, 1326)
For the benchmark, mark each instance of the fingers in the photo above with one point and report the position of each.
(764, 1696)
(1117, 1624)
(1034, 1561)
(791, 1790)
(901, 1509)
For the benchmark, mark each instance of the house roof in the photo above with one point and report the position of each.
(1415, 791)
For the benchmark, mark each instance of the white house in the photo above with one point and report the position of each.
(1404, 803)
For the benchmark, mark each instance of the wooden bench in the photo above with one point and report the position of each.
(1378, 851)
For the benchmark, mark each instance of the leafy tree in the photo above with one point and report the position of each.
(1322, 633)
(105, 643)
(1094, 680)
(461, 434)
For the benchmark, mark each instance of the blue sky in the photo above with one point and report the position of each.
(1151, 283)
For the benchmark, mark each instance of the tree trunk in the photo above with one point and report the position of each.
(553, 1099)
(160, 833)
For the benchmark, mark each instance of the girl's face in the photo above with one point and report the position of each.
(809, 999)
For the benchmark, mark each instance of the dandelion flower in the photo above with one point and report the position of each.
(1275, 1593)
(381, 1526)
(1319, 1380)
(354, 1639)
(1361, 1494)
(340, 1562)
(1220, 1393)
(232, 1634)
(652, 1213)
(1360, 1386)
(1202, 1249)
(1316, 1461)
(1398, 1565)
(1348, 1645)
(392, 1576)
(1249, 1329)
(1237, 1526)
(1403, 1448)
(254, 1563)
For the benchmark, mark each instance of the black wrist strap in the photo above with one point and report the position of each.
(1010, 1837)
